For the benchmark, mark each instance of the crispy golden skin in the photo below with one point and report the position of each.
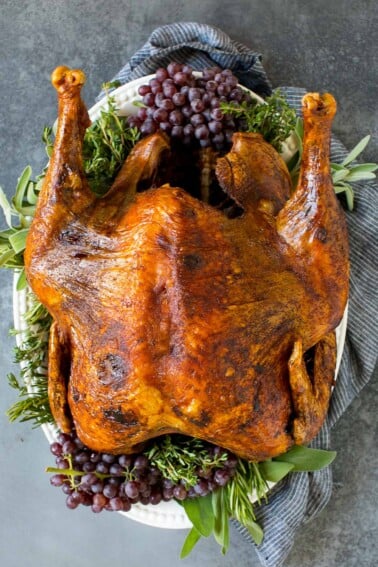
(177, 318)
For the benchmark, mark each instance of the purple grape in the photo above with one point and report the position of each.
(97, 487)
(81, 458)
(155, 86)
(176, 118)
(201, 488)
(223, 89)
(132, 489)
(194, 93)
(89, 479)
(89, 467)
(180, 492)
(116, 469)
(56, 449)
(102, 467)
(222, 476)
(148, 127)
(201, 132)
(179, 99)
(71, 502)
(110, 491)
(166, 127)
(63, 437)
(155, 497)
(215, 126)
(161, 74)
(160, 115)
(177, 132)
(144, 89)
(159, 97)
(197, 105)
(126, 461)
(167, 104)
(187, 111)
(68, 447)
(174, 68)
(141, 462)
(57, 479)
(197, 120)
(116, 504)
(217, 114)
(169, 90)
(149, 99)
(180, 78)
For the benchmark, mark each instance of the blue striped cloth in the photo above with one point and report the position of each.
(299, 497)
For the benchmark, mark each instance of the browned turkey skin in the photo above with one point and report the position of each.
(171, 317)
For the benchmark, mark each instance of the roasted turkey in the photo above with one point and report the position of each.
(169, 315)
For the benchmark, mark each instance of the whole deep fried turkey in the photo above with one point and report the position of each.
(168, 316)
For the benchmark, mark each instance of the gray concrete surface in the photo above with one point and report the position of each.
(318, 45)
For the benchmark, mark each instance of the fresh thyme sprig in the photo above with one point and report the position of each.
(106, 144)
(274, 119)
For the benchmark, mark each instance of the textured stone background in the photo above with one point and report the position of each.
(318, 45)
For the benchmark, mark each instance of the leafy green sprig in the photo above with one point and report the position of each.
(210, 515)
(33, 403)
(107, 142)
(274, 119)
(179, 458)
(343, 174)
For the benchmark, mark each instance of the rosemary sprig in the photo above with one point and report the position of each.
(178, 458)
(33, 403)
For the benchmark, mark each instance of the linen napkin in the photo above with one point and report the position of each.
(299, 497)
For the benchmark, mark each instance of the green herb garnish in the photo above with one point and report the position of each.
(211, 514)
(107, 142)
(274, 119)
(33, 404)
(178, 458)
(106, 145)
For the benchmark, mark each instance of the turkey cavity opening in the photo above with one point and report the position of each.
(193, 170)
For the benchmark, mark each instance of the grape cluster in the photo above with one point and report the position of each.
(116, 482)
(187, 107)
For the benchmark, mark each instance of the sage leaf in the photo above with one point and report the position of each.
(23, 182)
(21, 280)
(200, 513)
(221, 520)
(7, 209)
(340, 175)
(275, 471)
(18, 240)
(190, 541)
(356, 150)
(359, 176)
(255, 531)
(307, 459)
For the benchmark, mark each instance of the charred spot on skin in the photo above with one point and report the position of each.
(321, 234)
(192, 261)
(71, 236)
(128, 418)
(202, 421)
(75, 395)
(112, 371)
